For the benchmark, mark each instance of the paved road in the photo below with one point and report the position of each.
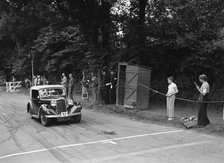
(98, 138)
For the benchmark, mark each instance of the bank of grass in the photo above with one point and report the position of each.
(148, 117)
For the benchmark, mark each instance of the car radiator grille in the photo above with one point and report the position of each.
(61, 107)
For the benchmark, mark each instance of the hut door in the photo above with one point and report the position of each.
(131, 86)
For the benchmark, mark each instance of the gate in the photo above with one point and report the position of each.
(11, 86)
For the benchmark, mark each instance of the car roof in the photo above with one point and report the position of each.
(45, 87)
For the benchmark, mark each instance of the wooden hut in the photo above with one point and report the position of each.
(129, 93)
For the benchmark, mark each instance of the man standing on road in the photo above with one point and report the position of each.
(94, 85)
(70, 87)
(172, 90)
(105, 87)
(112, 90)
(64, 82)
(85, 85)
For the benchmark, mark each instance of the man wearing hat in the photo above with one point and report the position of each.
(105, 87)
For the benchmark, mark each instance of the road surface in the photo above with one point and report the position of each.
(98, 138)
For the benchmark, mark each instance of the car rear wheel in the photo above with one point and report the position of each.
(43, 119)
(76, 119)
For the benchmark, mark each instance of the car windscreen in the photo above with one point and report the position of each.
(51, 92)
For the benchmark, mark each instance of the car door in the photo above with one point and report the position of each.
(36, 102)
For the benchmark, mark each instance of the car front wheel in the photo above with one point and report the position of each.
(30, 112)
(76, 119)
(43, 119)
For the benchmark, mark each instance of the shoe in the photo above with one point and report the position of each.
(170, 119)
(200, 126)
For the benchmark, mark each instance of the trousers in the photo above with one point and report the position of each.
(70, 93)
(202, 112)
(170, 106)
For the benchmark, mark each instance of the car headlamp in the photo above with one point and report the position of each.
(54, 103)
(70, 102)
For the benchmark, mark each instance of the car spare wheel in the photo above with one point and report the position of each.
(76, 119)
(43, 119)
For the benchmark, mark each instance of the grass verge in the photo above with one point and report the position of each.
(146, 116)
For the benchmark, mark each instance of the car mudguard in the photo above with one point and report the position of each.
(42, 107)
(29, 105)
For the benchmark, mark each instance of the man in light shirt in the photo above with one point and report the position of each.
(172, 90)
(64, 82)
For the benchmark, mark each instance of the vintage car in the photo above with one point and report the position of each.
(49, 102)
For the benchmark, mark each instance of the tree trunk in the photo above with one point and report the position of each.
(142, 7)
(142, 54)
(105, 45)
(99, 92)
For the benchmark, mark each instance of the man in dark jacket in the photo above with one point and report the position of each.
(70, 87)
(94, 85)
(105, 87)
(112, 90)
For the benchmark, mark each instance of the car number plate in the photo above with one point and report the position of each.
(64, 114)
(64, 119)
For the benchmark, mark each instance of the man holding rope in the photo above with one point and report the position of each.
(204, 100)
(204, 93)
(172, 90)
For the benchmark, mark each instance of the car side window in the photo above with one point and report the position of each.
(35, 94)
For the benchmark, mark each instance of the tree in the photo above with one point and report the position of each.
(175, 37)
(61, 49)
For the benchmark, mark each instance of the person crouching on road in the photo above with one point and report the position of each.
(172, 90)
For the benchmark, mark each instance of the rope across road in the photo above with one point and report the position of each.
(163, 94)
(179, 98)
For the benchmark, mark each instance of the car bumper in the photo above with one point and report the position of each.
(59, 116)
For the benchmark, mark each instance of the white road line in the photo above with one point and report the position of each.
(109, 142)
(128, 155)
(89, 143)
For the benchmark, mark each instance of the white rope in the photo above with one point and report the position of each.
(179, 98)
